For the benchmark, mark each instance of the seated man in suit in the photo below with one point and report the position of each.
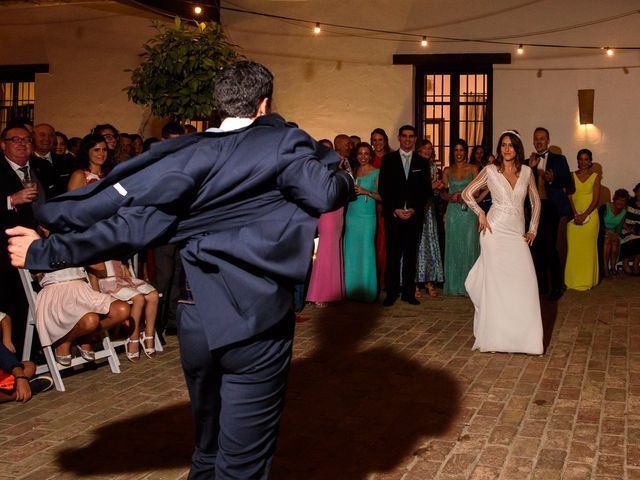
(25, 184)
(62, 166)
(242, 202)
(404, 185)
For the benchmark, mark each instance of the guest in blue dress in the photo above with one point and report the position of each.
(360, 230)
(462, 245)
(429, 260)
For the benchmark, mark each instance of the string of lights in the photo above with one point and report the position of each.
(424, 40)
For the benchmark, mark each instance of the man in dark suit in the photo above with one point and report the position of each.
(404, 185)
(553, 179)
(242, 201)
(25, 184)
(62, 166)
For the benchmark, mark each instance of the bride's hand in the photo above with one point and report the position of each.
(483, 224)
(529, 237)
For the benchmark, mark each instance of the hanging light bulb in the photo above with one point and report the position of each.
(197, 10)
(316, 29)
(424, 42)
(520, 49)
(609, 51)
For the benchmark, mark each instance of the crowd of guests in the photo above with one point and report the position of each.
(76, 306)
(409, 231)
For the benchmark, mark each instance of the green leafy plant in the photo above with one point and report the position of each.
(180, 67)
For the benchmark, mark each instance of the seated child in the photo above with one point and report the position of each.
(17, 379)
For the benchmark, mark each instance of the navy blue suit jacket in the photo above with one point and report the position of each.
(556, 190)
(243, 205)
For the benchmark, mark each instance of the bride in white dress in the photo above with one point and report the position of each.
(502, 284)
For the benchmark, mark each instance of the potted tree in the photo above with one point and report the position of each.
(180, 67)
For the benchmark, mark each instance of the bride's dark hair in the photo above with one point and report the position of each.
(517, 146)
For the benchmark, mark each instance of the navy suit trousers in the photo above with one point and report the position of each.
(237, 395)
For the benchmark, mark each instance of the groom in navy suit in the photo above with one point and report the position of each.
(404, 185)
(242, 202)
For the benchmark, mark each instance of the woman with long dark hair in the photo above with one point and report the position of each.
(91, 159)
(359, 230)
(502, 284)
(380, 145)
(461, 225)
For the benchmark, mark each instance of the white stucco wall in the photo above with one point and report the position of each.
(342, 83)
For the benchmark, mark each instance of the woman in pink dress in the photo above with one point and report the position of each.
(327, 274)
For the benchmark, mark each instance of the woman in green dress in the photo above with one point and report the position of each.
(360, 230)
(462, 245)
(581, 270)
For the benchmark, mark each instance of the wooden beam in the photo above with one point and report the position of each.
(452, 59)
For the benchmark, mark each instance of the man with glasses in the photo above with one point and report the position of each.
(24, 186)
(404, 185)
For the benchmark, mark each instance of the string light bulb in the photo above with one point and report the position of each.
(197, 10)
(316, 29)
(609, 50)
(520, 49)
(424, 42)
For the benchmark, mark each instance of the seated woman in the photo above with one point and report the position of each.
(630, 241)
(91, 158)
(612, 216)
(5, 327)
(114, 278)
(68, 310)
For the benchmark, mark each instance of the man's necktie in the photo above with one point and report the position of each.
(26, 174)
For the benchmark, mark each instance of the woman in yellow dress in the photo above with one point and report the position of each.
(581, 271)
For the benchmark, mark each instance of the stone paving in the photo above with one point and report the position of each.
(376, 393)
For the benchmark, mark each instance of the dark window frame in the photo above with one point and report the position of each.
(18, 75)
(454, 65)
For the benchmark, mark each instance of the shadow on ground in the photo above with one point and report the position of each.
(156, 441)
(549, 312)
(352, 411)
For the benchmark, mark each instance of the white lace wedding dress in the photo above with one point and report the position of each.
(502, 284)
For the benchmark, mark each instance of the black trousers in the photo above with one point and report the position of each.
(167, 281)
(546, 258)
(402, 246)
(237, 395)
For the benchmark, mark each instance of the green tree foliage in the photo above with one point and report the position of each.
(180, 67)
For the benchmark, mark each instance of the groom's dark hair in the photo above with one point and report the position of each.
(241, 87)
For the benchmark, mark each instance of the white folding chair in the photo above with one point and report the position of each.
(52, 366)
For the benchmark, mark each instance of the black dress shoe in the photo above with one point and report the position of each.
(411, 300)
(389, 300)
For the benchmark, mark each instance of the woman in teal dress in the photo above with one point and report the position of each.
(360, 230)
(462, 245)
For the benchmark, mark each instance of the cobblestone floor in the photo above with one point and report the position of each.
(376, 393)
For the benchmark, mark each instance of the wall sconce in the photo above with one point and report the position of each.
(585, 106)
